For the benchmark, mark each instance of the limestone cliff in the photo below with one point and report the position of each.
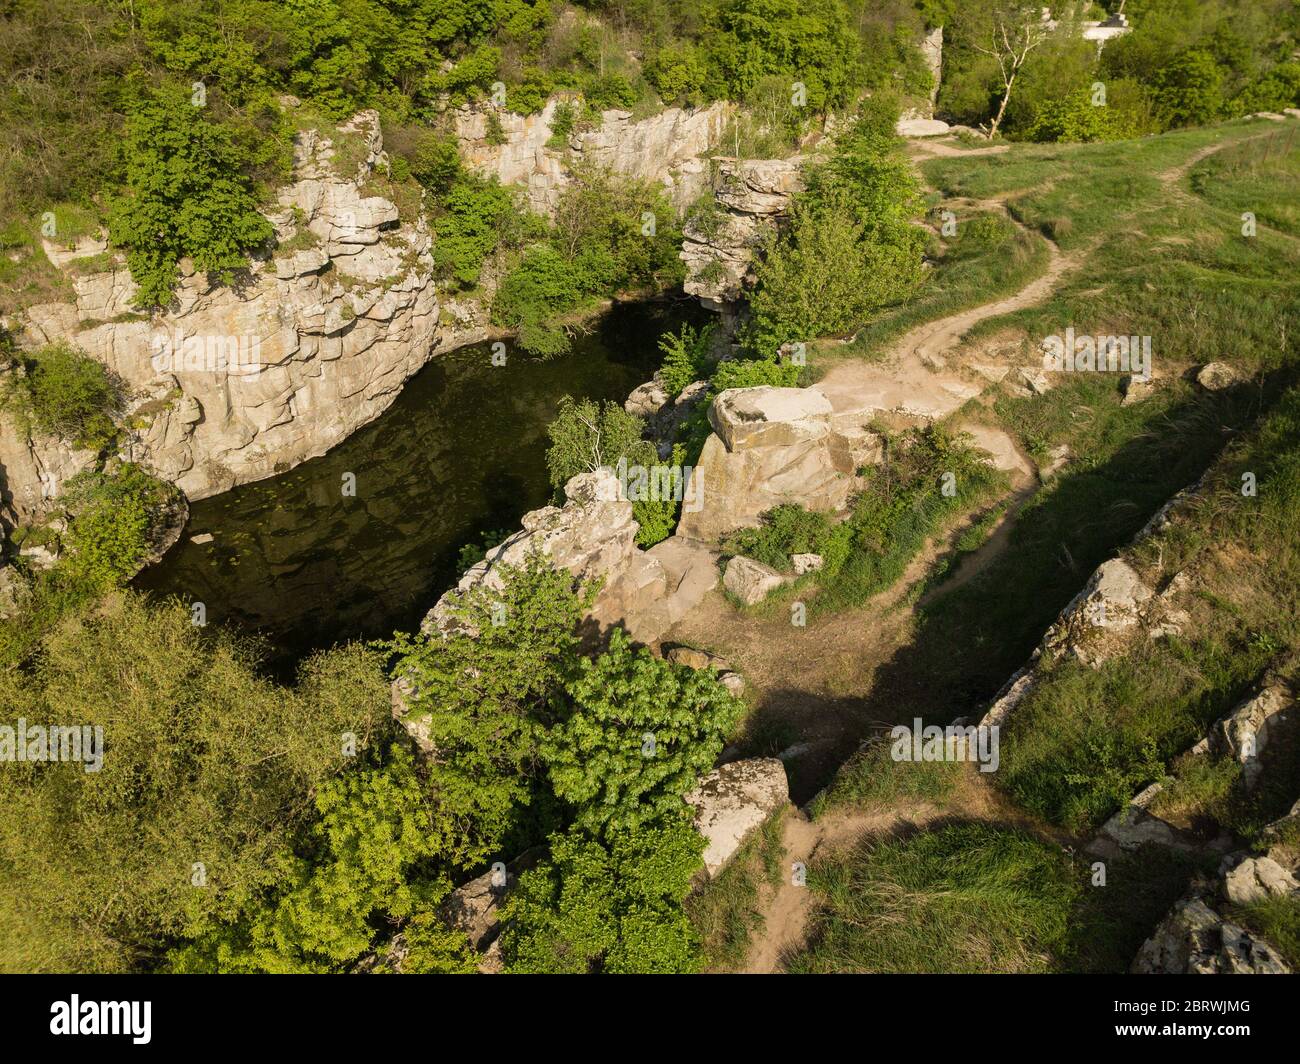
(236, 383)
(667, 148)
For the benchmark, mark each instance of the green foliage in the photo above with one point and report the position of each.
(808, 42)
(1189, 89)
(850, 248)
(186, 195)
(60, 391)
(678, 72)
(902, 505)
(1077, 119)
(204, 761)
(587, 435)
(610, 235)
(475, 218)
(687, 357)
(637, 734)
(752, 373)
(373, 830)
(966, 897)
(482, 694)
(612, 906)
(114, 519)
(786, 530)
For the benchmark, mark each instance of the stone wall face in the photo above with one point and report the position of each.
(718, 249)
(666, 148)
(236, 383)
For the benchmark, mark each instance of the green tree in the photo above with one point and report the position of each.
(1189, 90)
(206, 782)
(613, 906)
(587, 435)
(186, 195)
(481, 693)
(636, 735)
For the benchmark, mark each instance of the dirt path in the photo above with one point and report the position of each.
(818, 684)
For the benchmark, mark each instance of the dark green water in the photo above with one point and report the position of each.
(461, 452)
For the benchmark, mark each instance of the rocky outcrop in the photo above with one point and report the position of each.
(1194, 939)
(750, 195)
(234, 383)
(1202, 936)
(732, 801)
(1243, 734)
(667, 148)
(769, 446)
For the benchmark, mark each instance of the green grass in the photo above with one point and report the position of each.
(991, 257)
(1277, 919)
(965, 897)
(1262, 177)
(1084, 741)
(872, 779)
(725, 911)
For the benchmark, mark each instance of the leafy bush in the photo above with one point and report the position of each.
(482, 694)
(587, 435)
(114, 519)
(610, 235)
(63, 392)
(612, 906)
(475, 218)
(186, 196)
(686, 357)
(637, 734)
(373, 830)
(785, 530)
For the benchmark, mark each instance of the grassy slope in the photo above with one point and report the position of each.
(1173, 264)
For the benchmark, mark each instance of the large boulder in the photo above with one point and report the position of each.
(734, 800)
(770, 446)
(750, 581)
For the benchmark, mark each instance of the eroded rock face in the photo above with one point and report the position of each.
(1195, 940)
(770, 446)
(592, 535)
(718, 249)
(237, 383)
(666, 148)
(733, 800)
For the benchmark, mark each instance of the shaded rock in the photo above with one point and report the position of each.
(647, 399)
(1243, 734)
(1216, 376)
(732, 801)
(694, 658)
(1195, 940)
(750, 581)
